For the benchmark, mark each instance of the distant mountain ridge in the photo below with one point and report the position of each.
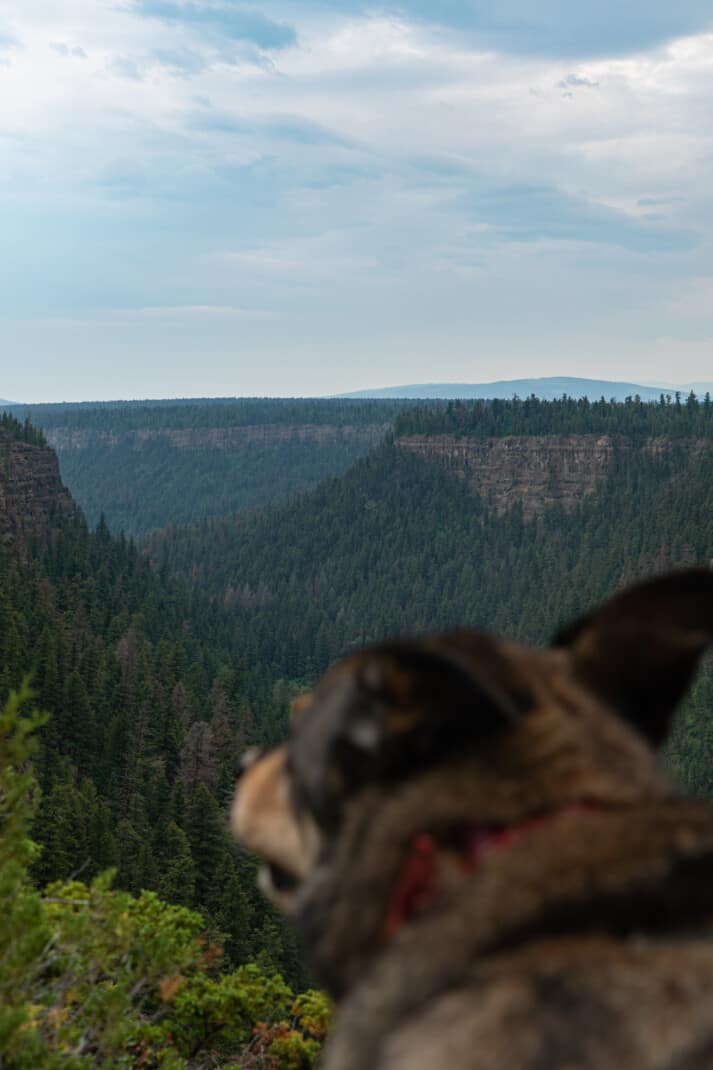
(699, 388)
(547, 389)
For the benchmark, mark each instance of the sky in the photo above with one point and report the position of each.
(211, 198)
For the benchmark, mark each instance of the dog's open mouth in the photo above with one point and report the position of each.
(276, 879)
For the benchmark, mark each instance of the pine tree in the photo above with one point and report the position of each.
(176, 882)
(208, 838)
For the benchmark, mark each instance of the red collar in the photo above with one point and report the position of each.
(415, 889)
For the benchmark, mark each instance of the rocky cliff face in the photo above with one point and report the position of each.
(31, 491)
(228, 438)
(537, 470)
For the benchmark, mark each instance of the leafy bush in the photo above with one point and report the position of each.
(91, 977)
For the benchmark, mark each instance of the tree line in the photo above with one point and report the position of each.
(671, 416)
(121, 416)
(21, 430)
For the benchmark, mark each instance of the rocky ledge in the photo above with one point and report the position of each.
(537, 471)
(31, 490)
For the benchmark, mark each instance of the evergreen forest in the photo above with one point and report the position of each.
(143, 466)
(155, 664)
(399, 544)
(635, 418)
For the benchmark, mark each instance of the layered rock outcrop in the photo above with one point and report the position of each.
(31, 491)
(229, 438)
(537, 471)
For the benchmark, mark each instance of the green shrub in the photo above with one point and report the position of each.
(91, 977)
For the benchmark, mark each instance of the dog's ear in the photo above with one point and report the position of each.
(639, 651)
(390, 709)
(419, 699)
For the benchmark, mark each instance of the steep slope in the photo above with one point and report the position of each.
(32, 494)
(145, 466)
(400, 545)
(542, 454)
(143, 481)
(149, 704)
(538, 471)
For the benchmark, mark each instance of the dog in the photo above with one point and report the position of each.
(487, 865)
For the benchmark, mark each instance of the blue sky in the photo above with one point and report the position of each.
(217, 198)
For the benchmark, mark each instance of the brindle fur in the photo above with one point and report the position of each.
(582, 944)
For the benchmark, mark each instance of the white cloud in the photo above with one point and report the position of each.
(403, 174)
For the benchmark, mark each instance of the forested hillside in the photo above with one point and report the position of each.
(401, 544)
(150, 704)
(146, 465)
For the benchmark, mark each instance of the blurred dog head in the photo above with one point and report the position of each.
(520, 731)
